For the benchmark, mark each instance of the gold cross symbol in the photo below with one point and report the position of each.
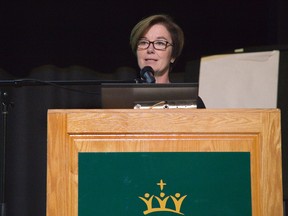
(161, 184)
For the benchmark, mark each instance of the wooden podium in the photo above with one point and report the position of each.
(255, 132)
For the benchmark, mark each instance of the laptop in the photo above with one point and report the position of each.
(148, 95)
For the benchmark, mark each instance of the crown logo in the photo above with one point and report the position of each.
(162, 200)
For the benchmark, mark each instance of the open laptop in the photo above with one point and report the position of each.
(149, 96)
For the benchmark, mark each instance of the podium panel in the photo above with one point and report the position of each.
(164, 162)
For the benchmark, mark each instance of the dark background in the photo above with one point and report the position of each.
(95, 35)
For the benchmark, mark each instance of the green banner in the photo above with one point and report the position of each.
(160, 184)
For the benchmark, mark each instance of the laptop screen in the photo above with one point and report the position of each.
(144, 95)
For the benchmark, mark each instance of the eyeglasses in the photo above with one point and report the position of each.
(157, 44)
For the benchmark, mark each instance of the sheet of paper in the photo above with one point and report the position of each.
(242, 80)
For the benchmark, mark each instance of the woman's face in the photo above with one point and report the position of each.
(159, 60)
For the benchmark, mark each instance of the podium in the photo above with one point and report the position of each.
(164, 162)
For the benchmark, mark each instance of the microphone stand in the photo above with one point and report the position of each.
(6, 103)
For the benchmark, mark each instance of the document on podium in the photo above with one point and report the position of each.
(240, 80)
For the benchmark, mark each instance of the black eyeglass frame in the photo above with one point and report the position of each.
(167, 44)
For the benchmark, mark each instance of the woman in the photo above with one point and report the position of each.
(157, 41)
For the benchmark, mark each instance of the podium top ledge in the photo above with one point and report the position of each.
(230, 110)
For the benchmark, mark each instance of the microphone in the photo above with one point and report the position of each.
(147, 74)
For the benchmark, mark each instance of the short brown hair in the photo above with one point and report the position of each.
(144, 25)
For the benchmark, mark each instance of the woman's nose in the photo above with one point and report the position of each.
(150, 48)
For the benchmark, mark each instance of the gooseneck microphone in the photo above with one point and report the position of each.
(147, 74)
